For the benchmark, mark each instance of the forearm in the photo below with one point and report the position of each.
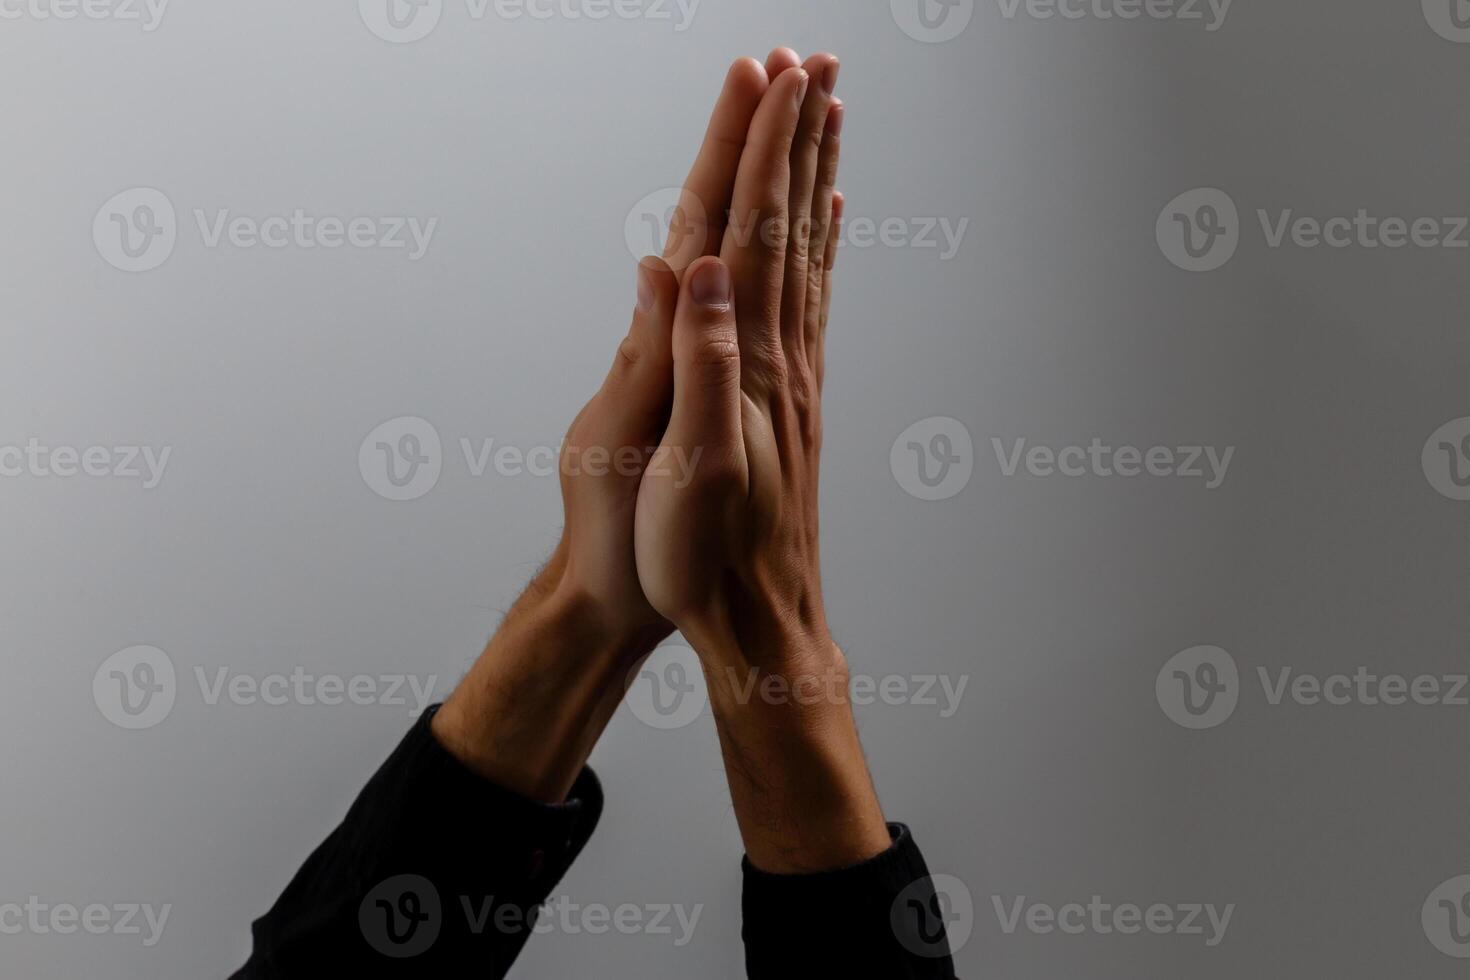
(801, 789)
(530, 710)
(482, 798)
(830, 888)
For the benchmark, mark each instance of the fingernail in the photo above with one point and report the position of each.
(834, 120)
(711, 285)
(645, 290)
(801, 86)
(829, 76)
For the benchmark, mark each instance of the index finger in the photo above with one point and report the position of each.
(711, 182)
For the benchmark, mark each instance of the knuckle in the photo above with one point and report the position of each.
(630, 353)
(718, 353)
(776, 228)
(730, 142)
(799, 251)
(803, 392)
(811, 139)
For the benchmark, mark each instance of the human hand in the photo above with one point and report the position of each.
(530, 710)
(610, 445)
(732, 557)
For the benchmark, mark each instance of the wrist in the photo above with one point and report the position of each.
(529, 711)
(618, 631)
(806, 675)
(803, 795)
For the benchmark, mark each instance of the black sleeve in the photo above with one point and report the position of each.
(435, 872)
(883, 918)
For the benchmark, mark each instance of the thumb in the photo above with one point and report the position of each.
(706, 361)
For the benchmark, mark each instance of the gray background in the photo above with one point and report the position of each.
(1060, 319)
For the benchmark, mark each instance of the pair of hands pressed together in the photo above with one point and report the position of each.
(722, 369)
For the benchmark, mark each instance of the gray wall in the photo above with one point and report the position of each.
(1071, 766)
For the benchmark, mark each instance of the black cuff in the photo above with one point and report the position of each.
(872, 919)
(434, 871)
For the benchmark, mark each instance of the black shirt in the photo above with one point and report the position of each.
(437, 872)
